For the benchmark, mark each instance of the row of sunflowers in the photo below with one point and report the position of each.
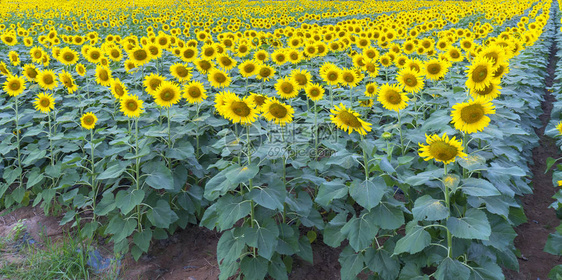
(399, 129)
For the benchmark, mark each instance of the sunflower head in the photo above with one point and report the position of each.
(167, 94)
(314, 91)
(278, 112)
(131, 106)
(559, 128)
(470, 117)
(194, 92)
(240, 110)
(479, 73)
(218, 78)
(103, 75)
(118, 89)
(286, 88)
(44, 103)
(248, 68)
(181, 72)
(14, 85)
(265, 72)
(348, 120)
(392, 98)
(152, 82)
(371, 90)
(410, 80)
(88, 120)
(442, 149)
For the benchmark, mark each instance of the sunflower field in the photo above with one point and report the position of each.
(399, 131)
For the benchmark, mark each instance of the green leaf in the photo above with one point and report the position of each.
(329, 191)
(158, 175)
(549, 163)
(33, 157)
(487, 271)
(106, 205)
(452, 269)
(554, 244)
(360, 231)
(277, 269)
(11, 174)
(351, 263)
(126, 200)
(161, 216)
(229, 247)
(121, 229)
(416, 239)
(242, 174)
(424, 177)
(305, 250)
(427, 208)
(34, 177)
(387, 216)
(332, 235)
(142, 239)
(219, 185)
(502, 235)
(263, 236)
(368, 193)
(232, 208)
(288, 241)
(114, 170)
(474, 225)
(381, 262)
(478, 187)
(556, 273)
(472, 162)
(254, 268)
(270, 197)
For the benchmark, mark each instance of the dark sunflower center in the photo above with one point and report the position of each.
(499, 72)
(349, 119)
(132, 105)
(487, 90)
(153, 50)
(393, 97)
(294, 56)
(69, 57)
(154, 84)
(301, 79)
(261, 56)
(194, 92)
(493, 56)
(119, 90)
(31, 73)
(410, 80)
(480, 73)
(37, 54)
(205, 65)
(115, 53)
(455, 54)
(167, 94)
(259, 100)
(243, 49)
(472, 113)
(434, 69)
(277, 110)
(265, 72)
(240, 108)
(280, 57)
(89, 120)
(140, 54)
(45, 102)
(443, 151)
(314, 92)
(48, 79)
(188, 53)
(226, 61)
(15, 85)
(182, 71)
(94, 55)
(287, 88)
(332, 76)
(104, 75)
(220, 78)
(249, 68)
(348, 77)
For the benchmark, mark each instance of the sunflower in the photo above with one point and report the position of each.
(130, 66)
(559, 128)
(435, 69)
(14, 85)
(240, 110)
(208, 52)
(470, 117)
(152, 82)
(44, 103)
(454, 54)
(371, 68)
(189, 54)
(248, 68)
(259, 99)
(371, 90)
(479, 73)
(221, 100)
(349, 78)
(80, 69)
(194, 92)
(118, 89)
(489, 92)
(9, 39)
(103, 76)
(68, 82)
(68, 56)
(368, 103)
(218, 78)
(88, 120)
(14, 58)
(279, 56)
(265, 72)
(392, 98)
(30, 72)
(261, 55)
(330, 75)
(47, 79)
(181, 72)
(36, 54)
(278, 112)
(94, 55)
(410, 80)
(114, 53)
(442, 149)
(167, 94)
(495, 54)
(501, 70)
(385, 60)
(294, 56)
(314, 92)
(131, 106)
(154, 50)
(348, 120)
(226, 62)
(301, 77)
(139, 56)
(204, 66)
(286, 88)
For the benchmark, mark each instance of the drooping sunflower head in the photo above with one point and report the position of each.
(314, 92)
(152, 82)
(67, 81)
(167, 94)
(181, 72)
(194, 92)
(286, 88)
(495, 54)
(278, 112)
(221, 99)
(14, 58)
(88, 120)
(501, 70)
(442, 149)
(44, 103)
(410, 80)
(392, 97)
(348, 120)
(470, 117)
(131, 106)
(3, 69)
(14, 85)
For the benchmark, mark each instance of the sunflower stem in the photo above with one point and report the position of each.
(249, 156)
(137, 171)
(93, 163)
(284, 172)
(365, 160)
(401, 137)
(197, 130)
(465, 148)
(18, 140)
(448, 205)
(50, 140)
